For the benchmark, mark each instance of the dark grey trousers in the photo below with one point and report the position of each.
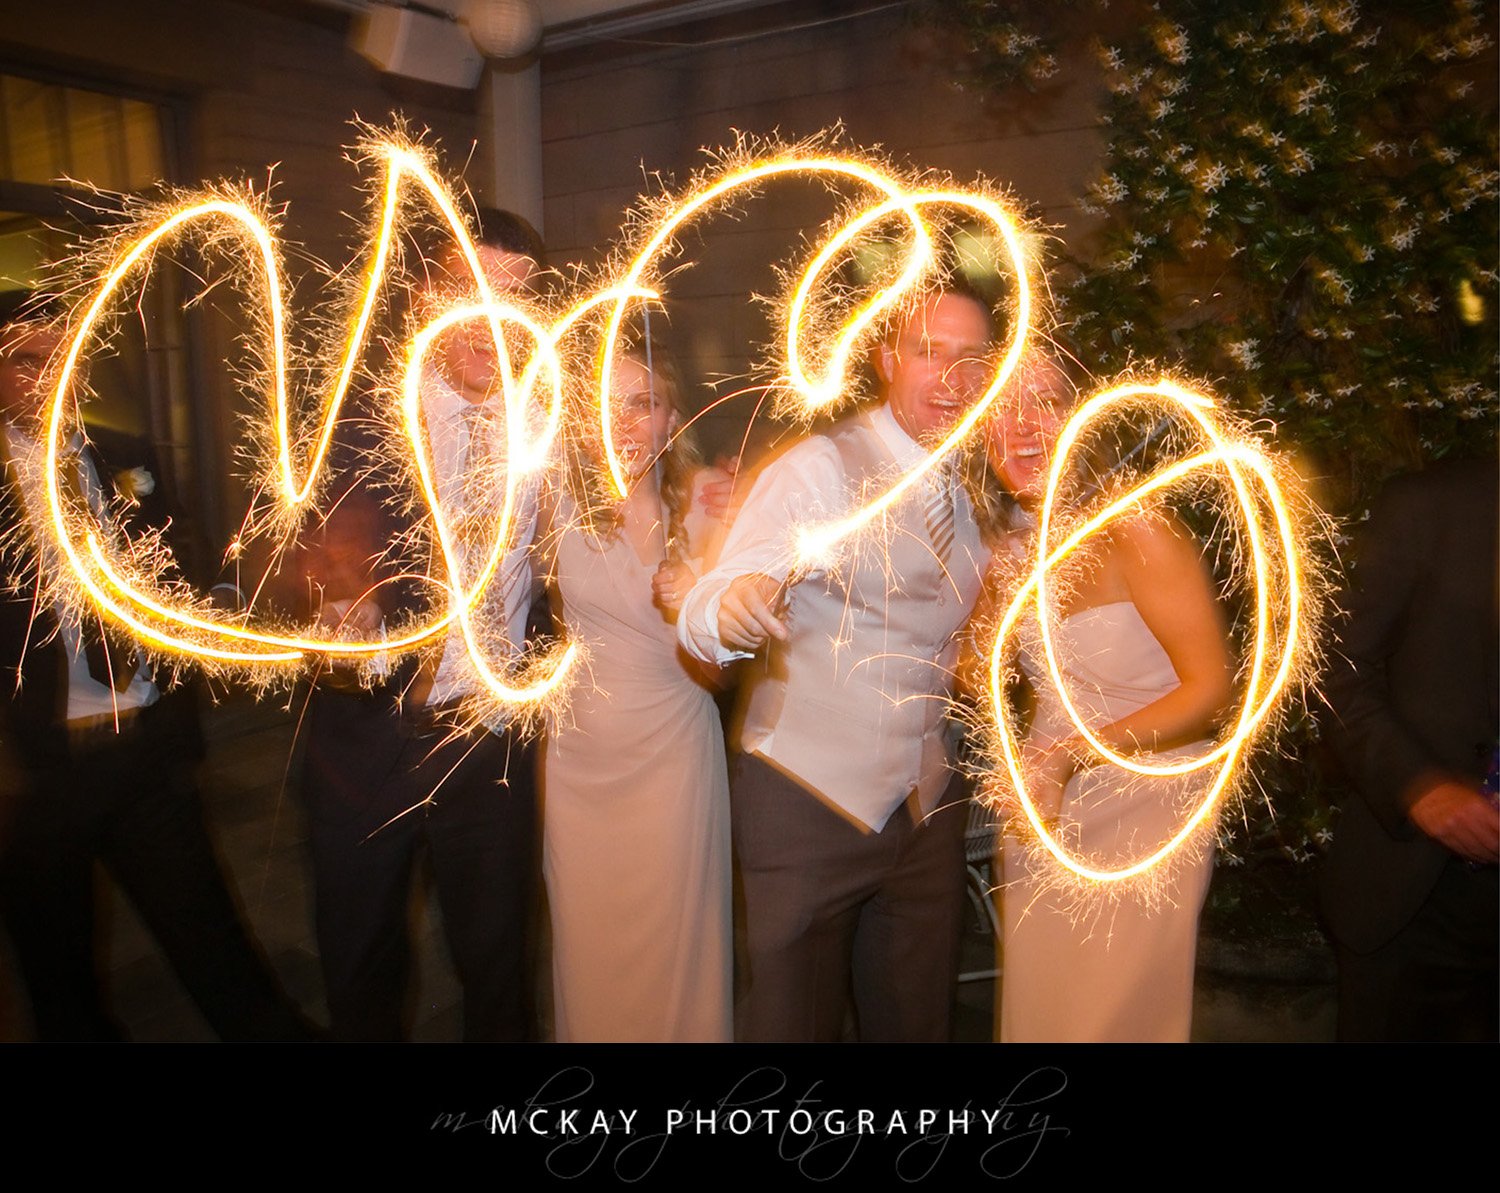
(833, 910)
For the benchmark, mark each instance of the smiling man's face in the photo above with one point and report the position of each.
(936, 366)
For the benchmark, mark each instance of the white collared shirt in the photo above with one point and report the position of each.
(805, 485)
(448, 416)
(88, 698)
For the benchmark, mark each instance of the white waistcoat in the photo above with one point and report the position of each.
(853, 707)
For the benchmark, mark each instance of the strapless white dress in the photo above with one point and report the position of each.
(1115, 966)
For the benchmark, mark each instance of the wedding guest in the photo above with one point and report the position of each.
(1410, 889)
(1143, 651)
(636, 800)
(848, 822)
(388, 773)
(106, 755)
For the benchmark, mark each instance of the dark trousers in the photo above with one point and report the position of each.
(832, 909)
(1439, 978)
(379, 788)
(130, 802)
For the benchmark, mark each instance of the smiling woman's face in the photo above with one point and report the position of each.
(644, 419)
(1024, 431)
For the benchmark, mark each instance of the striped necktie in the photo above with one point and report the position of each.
(939, 512)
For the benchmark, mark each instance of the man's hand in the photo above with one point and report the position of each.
(752, 611)
(1460, 818)
(353, 618)
(671, 584)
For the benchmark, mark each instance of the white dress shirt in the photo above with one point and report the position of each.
(451, 424)
(88, 698)
(805, 485)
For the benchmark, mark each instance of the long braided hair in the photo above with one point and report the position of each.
(677, 465)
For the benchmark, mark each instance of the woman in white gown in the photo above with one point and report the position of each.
(1143, 648)
(635, 795)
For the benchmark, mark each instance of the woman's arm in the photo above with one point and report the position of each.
(1160, 565)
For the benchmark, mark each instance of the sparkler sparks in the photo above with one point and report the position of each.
(822, 333)
(1278, 589)
(122, 585)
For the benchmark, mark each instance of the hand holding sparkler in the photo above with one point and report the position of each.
(753, 611)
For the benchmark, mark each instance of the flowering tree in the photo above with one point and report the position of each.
(1299, 203)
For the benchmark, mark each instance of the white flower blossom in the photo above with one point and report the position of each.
(1112, 58)
(1447, 154)
(1343, 19)
(1403, 239)
(1244, 353)
(1110, 189)
(1174, 46)
(1163, 109)
(1213, 177)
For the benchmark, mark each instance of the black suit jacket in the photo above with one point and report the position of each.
(33, 663)
(1413, 689)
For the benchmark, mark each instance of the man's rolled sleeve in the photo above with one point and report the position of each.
(804, 485)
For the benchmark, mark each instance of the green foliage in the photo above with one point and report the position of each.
(1298, 202)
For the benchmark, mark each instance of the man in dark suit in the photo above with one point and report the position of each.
(387, 775)
(101, 762)
(1410, 888)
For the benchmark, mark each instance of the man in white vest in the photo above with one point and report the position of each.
(848, 821)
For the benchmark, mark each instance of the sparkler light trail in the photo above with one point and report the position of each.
(126, 585)
(825, 324)
(1276, 565)
(811, 391)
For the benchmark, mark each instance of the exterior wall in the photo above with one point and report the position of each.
(263, 92)
(615, 117)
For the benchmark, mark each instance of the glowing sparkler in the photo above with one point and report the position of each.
(126, 585)
(817, 392)
(1276, 567)
(165, 622)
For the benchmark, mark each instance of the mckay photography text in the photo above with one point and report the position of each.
(767, 1117)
